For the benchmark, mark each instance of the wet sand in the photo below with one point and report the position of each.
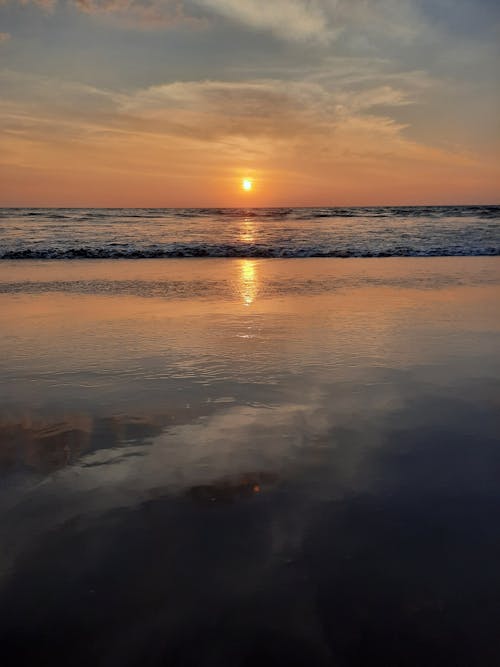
(223, 462)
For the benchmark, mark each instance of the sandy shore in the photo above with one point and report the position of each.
(207, 457)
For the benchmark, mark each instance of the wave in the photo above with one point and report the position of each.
(175, 251)
(303, 213)
(437, 231)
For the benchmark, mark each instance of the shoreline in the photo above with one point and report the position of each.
(91, 256)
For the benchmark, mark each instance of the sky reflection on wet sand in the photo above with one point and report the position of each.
(297, 464)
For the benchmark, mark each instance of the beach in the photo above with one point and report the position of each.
(222, 461)
(249, 333)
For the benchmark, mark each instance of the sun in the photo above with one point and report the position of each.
(247, 184)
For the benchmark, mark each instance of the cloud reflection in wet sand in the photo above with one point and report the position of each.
(343, 536)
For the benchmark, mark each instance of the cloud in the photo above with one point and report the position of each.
(289, 19)
(308, 138)
(318, 21)
(136, 13)
(321, 20)
(298, 120)
(293, 118)
(145, 13)
(212, 109)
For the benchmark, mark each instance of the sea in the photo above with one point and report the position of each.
(413, 231)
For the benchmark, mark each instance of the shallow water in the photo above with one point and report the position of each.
(223, 462)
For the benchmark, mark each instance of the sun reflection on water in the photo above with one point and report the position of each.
(248, 281)
(247, 232)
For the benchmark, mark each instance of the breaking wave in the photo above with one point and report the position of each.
(204, 250)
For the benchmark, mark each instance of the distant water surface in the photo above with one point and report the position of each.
(276, 232)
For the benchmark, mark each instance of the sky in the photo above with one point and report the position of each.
(317, 102)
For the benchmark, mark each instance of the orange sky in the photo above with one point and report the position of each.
(355, 106)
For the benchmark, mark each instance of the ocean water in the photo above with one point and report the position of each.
(278, 232)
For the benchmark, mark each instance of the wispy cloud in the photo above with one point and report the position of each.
(288, 19)
(141, 13)
(130, 13)
(319, 21)
(281, 125)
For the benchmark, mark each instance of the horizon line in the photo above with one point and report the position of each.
(232, 208)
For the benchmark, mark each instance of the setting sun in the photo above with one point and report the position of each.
(246, 184)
